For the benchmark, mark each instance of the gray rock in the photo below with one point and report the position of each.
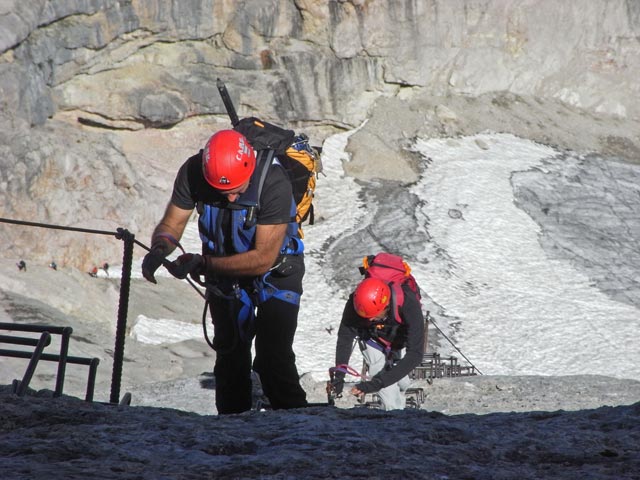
(107, 68)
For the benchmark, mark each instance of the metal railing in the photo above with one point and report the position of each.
(434, 366)
(125, 284)
(63, 358)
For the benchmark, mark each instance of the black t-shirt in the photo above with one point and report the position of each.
(190, 187)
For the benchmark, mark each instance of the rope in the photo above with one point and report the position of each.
(204, 326)
(175, 241)
(429, 317)
(60, 227)
(129, 241)
(119, 234)
(344, 368)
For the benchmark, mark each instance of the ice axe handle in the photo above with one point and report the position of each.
(228, 104)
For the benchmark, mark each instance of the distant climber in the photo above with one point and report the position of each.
(53, 266)
(22, 266)
(386, 318)
(93, 272)
(105, 267)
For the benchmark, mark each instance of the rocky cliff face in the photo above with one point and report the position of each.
(101, 100)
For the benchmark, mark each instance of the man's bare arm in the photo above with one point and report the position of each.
(172, 224)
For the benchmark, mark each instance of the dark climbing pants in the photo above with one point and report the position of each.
(276, 322)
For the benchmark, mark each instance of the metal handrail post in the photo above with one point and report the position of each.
(118, 354)
(45, 339)
(91, 381)
(62, 365)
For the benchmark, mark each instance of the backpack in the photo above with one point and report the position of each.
(395, 272)
(300, 160)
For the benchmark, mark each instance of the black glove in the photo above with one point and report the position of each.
(187, 264)
(336, 384)
(151, 263)
(335, 387)
(372, 386)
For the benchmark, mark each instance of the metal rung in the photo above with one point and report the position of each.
(27, 341)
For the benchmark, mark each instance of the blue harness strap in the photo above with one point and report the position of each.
(246, 316)
(246, 312)
(377, 346)
(294, 247)
(267, 291)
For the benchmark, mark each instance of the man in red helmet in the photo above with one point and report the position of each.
(252, 264)
(368, 316)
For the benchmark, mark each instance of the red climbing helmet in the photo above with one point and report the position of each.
(371, 298)
(228, 160)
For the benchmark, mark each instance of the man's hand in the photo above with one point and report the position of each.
(151, 263)
(187, 264)
(372, 386)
